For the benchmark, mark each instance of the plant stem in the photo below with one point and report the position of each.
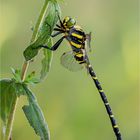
(9, 124)
(10, 121)
(24, 70)
(25, 66)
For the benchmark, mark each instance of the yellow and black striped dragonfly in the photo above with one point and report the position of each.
(77, 58)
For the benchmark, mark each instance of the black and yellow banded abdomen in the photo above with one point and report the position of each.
(105, 101)
(80, 56)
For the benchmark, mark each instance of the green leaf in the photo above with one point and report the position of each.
(7, 98)
(44, 31)
(46, 61)
(9, 91)
(35, 116)
(30, 52)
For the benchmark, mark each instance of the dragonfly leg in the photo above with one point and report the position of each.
(58, 26)
(61, 23)
(58, 29)
(56, 34)
(55, 46)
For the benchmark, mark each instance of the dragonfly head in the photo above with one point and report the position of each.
(69, 22)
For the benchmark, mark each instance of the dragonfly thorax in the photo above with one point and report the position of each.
(77, 37)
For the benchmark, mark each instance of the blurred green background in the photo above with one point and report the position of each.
(70, 101)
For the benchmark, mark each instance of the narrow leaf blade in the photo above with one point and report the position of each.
(7, 98)
(35, 116)
(46, 61)
(10, 90)
(45, 30)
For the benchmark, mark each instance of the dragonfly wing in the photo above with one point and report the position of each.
(88, 41)
(69, 62)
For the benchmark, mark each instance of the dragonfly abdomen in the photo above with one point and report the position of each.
(79, 55)
(105, 101)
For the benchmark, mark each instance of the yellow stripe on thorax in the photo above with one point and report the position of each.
(76, 35)
(77, 27)
(79, 54)
(75, 45)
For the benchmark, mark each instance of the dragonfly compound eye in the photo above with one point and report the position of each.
(69, 22)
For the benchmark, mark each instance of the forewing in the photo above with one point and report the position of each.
(69, 62)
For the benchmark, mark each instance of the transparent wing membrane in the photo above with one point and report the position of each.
(68, 61)
(88, 41)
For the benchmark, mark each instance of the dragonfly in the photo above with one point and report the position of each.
(77, 58)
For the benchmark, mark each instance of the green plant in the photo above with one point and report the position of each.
(12, 89)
